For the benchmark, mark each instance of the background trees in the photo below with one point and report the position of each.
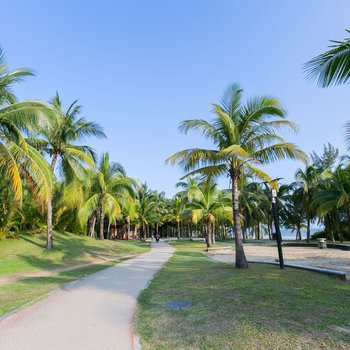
(46, 169)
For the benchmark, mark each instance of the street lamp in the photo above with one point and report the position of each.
(276, 220)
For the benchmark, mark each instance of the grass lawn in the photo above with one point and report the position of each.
(259, 308)
(14, 295)
(27, 254)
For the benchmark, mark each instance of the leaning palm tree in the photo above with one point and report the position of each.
(243, 134)
(18, 159)
(61, 140)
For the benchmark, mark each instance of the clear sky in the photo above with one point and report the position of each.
(141, 67)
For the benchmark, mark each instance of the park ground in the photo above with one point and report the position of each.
(28, 271)
(262, 307)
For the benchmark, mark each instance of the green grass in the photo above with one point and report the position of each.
(259, 308)
(14, 295)
(27, 254)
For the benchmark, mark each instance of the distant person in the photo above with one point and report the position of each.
(157, 237)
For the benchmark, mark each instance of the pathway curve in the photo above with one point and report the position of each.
(93, 313)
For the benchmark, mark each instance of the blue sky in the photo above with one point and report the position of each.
(141, 67)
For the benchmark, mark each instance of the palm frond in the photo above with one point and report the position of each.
(331, 67)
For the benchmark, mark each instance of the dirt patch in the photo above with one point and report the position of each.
(332, 259)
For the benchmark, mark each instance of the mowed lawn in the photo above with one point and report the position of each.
(28, 254)
(259, 308)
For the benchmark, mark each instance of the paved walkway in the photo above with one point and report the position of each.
(93, 313)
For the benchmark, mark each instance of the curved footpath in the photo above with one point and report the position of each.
(92, 313)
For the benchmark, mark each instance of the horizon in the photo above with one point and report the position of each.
(140, 70)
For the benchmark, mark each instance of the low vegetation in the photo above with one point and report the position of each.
(258, 308)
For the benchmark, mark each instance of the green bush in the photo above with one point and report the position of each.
(319, 234)
(5, 234)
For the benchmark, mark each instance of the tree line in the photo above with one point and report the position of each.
(51, 179)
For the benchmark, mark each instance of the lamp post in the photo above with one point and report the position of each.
(276, 221)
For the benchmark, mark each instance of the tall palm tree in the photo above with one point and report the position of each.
(109, 188)
(61, 140)
(243, 134)
(18, 159)
(307, 181)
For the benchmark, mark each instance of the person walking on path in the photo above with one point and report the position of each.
(157, 237)
(95, 312)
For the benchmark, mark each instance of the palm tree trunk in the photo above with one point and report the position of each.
(49, 239)
(109, 227)
(241, 260)
(213, 234)
(102, 220)
(308, 230)
(92, 222)
(129, 228)
(178, 230)
(207, 227)
(144, 231)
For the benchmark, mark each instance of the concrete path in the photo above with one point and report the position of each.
(93, 313)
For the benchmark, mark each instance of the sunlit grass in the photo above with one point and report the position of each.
(259, 308)
(28, 254)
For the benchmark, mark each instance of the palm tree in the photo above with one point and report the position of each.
(332, 66)
(109, 188)
(176, 213)
(334, 200)
(145, 208)
(307, 180)
(243, 134)
(61, 141)
(255, 208)
(8, 78)
(18, 159)
(208, 205)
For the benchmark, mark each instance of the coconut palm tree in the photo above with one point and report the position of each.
(243, 134)
(61, 140)
(109, 188)
(333, 199)
(307, 183)
(176, 213)
(18, 159)
(207, 206)
(145, 208)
